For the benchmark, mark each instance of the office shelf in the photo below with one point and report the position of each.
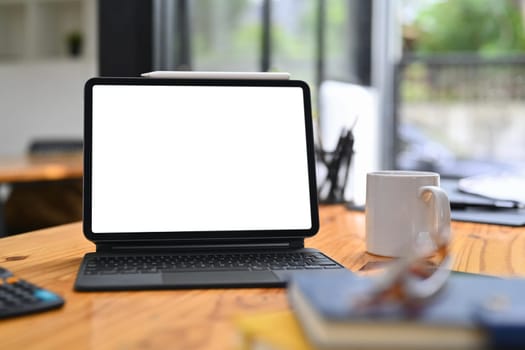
(39, 29)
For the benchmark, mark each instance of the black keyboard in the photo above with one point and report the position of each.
(20, 297)
(127, 264)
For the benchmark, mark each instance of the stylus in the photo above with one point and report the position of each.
(492, 205)
(217, 75)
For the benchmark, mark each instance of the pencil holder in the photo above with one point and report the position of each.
(337, 163)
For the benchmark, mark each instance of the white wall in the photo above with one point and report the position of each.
(41, 99)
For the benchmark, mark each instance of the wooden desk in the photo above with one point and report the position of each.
(40, 168)
(36, 168)
(198, 319)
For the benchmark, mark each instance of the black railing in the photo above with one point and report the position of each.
(461, 78)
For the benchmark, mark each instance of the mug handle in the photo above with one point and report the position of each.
(441, 230)
(426, 288)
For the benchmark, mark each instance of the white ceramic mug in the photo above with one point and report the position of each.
(405, 210)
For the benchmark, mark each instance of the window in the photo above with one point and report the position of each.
(460, 87)
(225, 35)
(311, 39)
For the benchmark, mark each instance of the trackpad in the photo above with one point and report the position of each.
(220, 278)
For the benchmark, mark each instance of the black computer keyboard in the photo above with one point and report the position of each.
(20, 297)
(120, 264)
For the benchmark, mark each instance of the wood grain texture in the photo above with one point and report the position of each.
(199, 319)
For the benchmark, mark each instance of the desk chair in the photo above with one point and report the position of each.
(35, 205)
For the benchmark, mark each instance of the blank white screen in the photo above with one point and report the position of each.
(198, 158)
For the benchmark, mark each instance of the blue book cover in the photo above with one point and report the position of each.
(453, 319)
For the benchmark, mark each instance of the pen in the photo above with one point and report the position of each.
(492, 205)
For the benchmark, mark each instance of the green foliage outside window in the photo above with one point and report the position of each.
(488, 27)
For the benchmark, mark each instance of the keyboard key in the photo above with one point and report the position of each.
(207, 262)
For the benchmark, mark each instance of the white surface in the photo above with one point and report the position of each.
(173, 158)
(41, 100)
(41, 89)
(397, 217)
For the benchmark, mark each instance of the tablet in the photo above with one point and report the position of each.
(198, 158)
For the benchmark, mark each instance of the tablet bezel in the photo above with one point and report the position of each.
(148, 238)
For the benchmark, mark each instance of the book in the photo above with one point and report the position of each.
(277, 330)
(325, 309)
